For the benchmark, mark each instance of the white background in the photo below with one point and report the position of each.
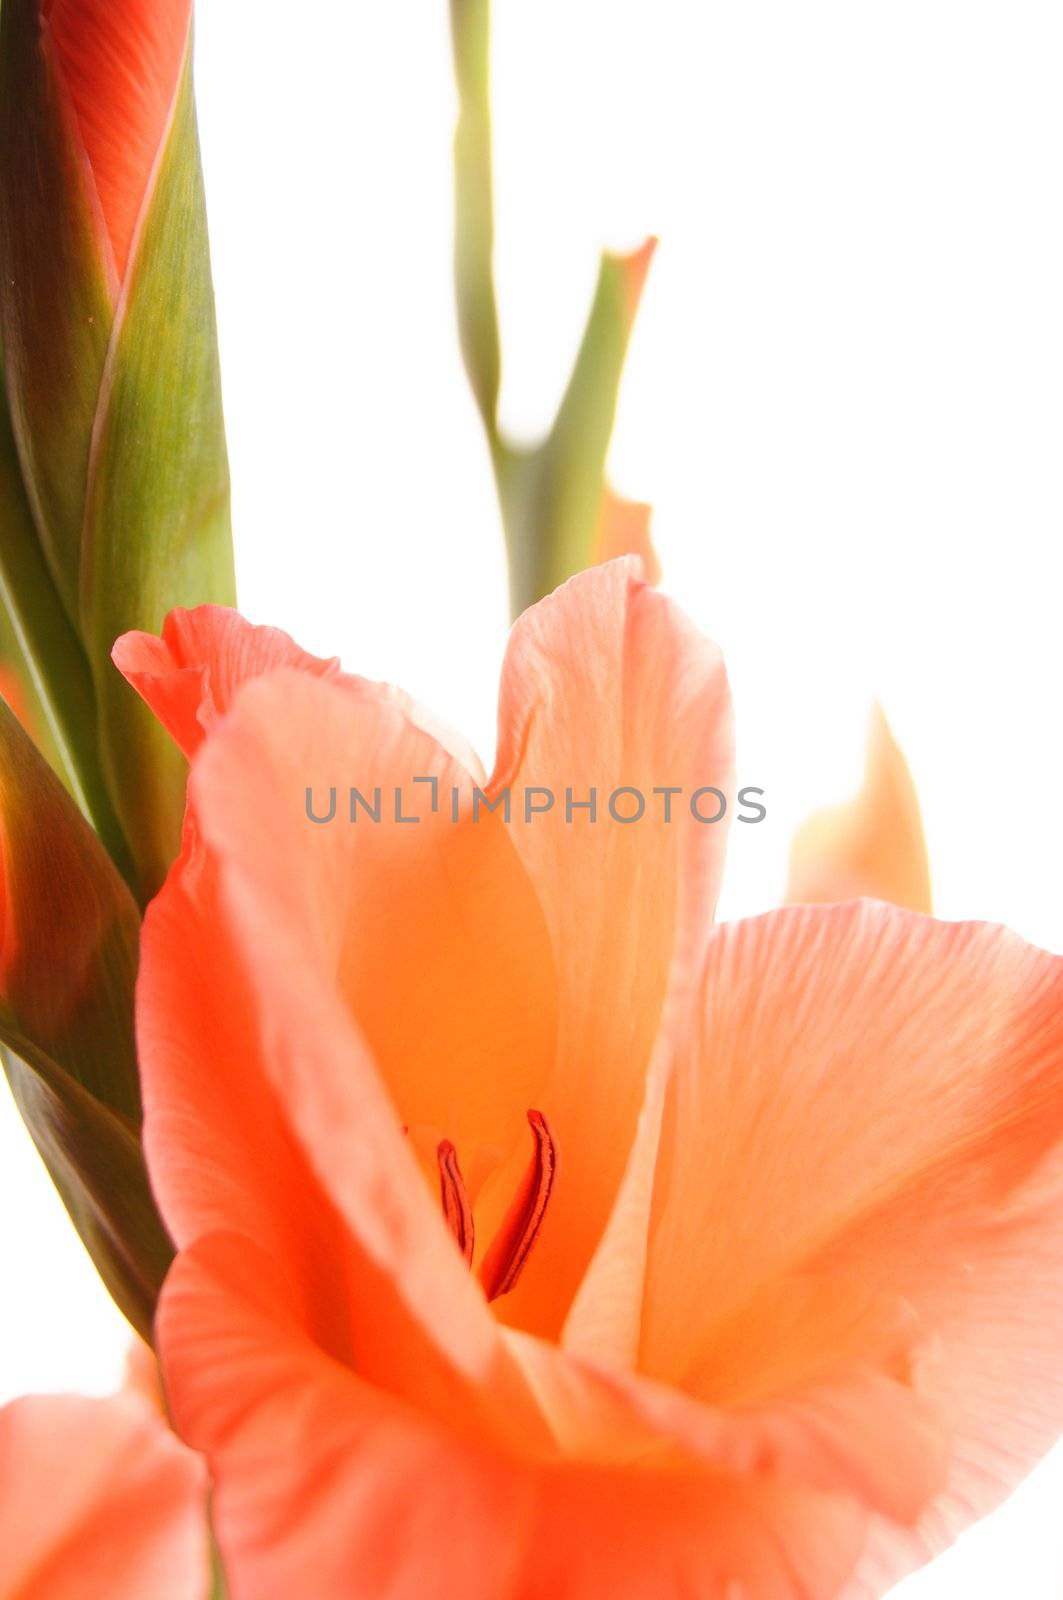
(845, 399)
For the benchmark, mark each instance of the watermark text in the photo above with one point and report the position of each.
(625, 806)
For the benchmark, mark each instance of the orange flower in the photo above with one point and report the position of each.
(98, 1497)
(766, 1302)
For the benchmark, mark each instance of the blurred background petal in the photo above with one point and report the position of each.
(870, 845)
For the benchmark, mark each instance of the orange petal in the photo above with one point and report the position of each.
(324, 1483)
(827, 1437)
(587, 674)
(426, 932)
(624, 530)
(373, 1278)
(293, 974)
(99, 1497)
(873, 845)
(862, 1166)
(119, 62)
(218, 1146)
(191, 675)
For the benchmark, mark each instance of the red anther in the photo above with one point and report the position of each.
(456, 1207)
(504, 1261)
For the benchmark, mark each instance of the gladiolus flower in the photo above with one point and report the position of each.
(537, 1238)
(97, 1497)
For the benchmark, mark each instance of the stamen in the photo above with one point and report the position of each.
(456, 1207)
(504, 1261)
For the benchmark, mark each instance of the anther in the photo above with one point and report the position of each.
(456, 1208)
(509, 1250)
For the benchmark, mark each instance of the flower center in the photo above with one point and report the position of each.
(504, 1259)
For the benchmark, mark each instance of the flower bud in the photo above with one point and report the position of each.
(112, 370)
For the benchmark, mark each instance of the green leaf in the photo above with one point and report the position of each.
(68, 958)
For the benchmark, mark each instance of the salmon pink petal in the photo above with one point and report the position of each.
(426, 933)
(861, 1165)
(624, 529)
(216, 1137)
(826, 1436)
(190, 674)
(373, 1279)
(99, 1497)
(120, 62)
(308, 993)
(872, 845)
(320, 1479)
(607, 686)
